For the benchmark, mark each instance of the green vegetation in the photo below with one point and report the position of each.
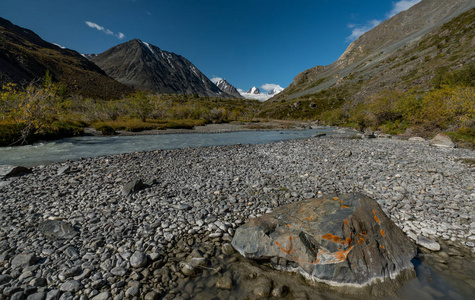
(45, 112)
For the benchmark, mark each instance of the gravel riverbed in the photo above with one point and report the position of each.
(152, 244)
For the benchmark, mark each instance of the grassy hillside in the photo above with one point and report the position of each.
(425, 80)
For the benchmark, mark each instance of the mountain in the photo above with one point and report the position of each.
(226, 87)
(402, 52)
(25, 58)
(144, 66)
(253, 91)
(256, 94)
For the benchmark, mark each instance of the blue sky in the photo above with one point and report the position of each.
(248, 42)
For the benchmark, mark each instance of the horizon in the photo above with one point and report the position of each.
(263, 44)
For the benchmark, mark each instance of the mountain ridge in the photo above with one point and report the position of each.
(362, 56)
(147, 67)
(25, 58)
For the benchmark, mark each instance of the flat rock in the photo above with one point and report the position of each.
(7, 171)
(56, 229)
(23, 260)
(443, 141)
(427, 243)
(71, 286)
(344, 240)
(138, 259)
(416, 139)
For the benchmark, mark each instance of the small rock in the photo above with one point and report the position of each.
(102, 296)
(152, 296)
(36, 296)
(132, 291)
(5, 278)
(263, 288)
(118, 271)
(53, 295)
(138, 259)
(280, 291)
(225, 282)
(227, 249)
(443, 141)
(56, 229)
(71, 286)
(417, 139)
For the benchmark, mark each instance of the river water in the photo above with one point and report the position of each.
(93, 146)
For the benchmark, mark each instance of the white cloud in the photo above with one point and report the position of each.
(401, 6)
(120, 35)
(359, 29)
(270, 87)
(215, 79)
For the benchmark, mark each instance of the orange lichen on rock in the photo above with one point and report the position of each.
(346, 222)
(287, 251)
(376, 217)
(341, 255)
(382, 233)
(345, 206)
(331, 237)
(335, 198)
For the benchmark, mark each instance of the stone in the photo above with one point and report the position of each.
(417, 139)
(225, 282)
(263, 287)
(18, 296)
(339, 240)
(23, 260)
(132, 291)
(427, 243)
(102, 296)
(7, 171)
(138, 259)
(227, 249)
(443, 141)
(118, 271)
(5, 278)
(53, 295)
(132, 187)
(37, 296)
(152, 296)
(71, 286)
(56, 229)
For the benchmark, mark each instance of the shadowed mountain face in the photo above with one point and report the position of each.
(393, 53)
(147, 67)
(25, 58)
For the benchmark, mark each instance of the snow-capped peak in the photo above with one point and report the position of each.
(254, 91)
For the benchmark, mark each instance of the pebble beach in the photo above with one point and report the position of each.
(151, 243)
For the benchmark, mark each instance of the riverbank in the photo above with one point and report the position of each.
(216, 128)
(194, 199)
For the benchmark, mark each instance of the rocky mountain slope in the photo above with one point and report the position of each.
(402, 52)
(25, 58)
(228, 88)
(144, 66)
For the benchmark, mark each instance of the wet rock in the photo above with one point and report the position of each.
(5, 278)
(56, 229)
(225, 282)
(23, 260)
(338, 240)
(102, 296)
(443, 141)
(280, 291)
(263, 287)
(427, 243)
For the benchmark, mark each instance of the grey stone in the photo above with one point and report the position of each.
(427, 243)
(118, 271)
(56, 229)
(5, 278)
(132, 291)
(138, 259)
(37, 296)
(53, 295)
(152, 296)
(71, 286)
(23, 260)
(18, 296)
(343, 240)
(132, 187)
(225, 282)
(102, 296)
